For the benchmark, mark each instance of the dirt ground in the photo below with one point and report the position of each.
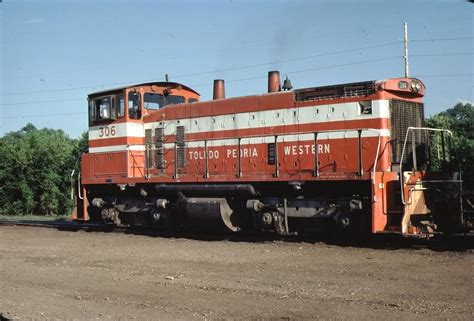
(51, 274)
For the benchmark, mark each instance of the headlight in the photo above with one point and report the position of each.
(415, 86)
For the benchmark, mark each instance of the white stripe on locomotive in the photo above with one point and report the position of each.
(258, 119)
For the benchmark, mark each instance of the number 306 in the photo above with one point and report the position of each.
(107, 131)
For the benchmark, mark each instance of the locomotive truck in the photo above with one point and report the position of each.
(351, 158)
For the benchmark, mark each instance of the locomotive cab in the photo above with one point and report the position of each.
(117, 135)
(131, 104)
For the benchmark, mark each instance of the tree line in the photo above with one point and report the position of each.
(35, 170)
(36, 164)
(460, 121)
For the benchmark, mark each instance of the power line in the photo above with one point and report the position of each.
(329, 67)
(54, 90)
(41, 101)
(235, 80)
(231, 69)
(247, 66)
(444, 75)
(342, 51)
(441, 39)
(212, 71)
(43, 115)
(262, 77)
(243, 79)
(314, 69)
(443, 54)
(288, 60)
(350, 50)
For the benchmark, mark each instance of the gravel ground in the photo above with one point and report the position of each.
(51, 274)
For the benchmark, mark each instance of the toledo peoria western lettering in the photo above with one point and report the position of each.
(247, 152)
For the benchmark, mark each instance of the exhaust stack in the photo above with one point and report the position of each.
(219, 89)
(274, 81)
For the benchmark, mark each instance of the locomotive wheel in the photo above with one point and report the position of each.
(94, 214)
(351, 226)
(111, 215)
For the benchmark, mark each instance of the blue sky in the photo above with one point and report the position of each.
(53, 53)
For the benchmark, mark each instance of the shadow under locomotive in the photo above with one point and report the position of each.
(441, 243)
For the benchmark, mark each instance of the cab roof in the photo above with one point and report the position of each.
(159, 84)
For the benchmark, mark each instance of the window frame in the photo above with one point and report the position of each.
(165, 99)
(365, 107)
(140, 104)
(118, 105)
(114, 101)
(154, 94)
(96, 110)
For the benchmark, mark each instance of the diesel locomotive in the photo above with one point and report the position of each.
(351, 158)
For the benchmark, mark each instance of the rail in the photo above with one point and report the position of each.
(239, 174)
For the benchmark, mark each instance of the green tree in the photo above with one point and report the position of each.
(460, 120)
(35, 170)
(82, 144)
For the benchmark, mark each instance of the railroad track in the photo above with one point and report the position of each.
(51, 224)
(459, 243)
(76, 226)
(140, 230)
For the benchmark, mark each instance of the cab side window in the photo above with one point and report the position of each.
(134, 103)
(121, 106)
(105, 108)
(365, 107)
(101, 109)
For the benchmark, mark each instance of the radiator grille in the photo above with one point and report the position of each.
(180, 146)
(404, 114)
(159, 152)
(148, 148)
(359, 89)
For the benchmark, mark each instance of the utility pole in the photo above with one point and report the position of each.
(405, 41)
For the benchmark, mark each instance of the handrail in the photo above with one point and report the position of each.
(78, 178)
(147, 161)
(359, 130)
(175, 160)
(79, 186)
(402, 183)
(206, 175)
(282, 134)
(276, 136)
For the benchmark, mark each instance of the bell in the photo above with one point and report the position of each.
(287, 84)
